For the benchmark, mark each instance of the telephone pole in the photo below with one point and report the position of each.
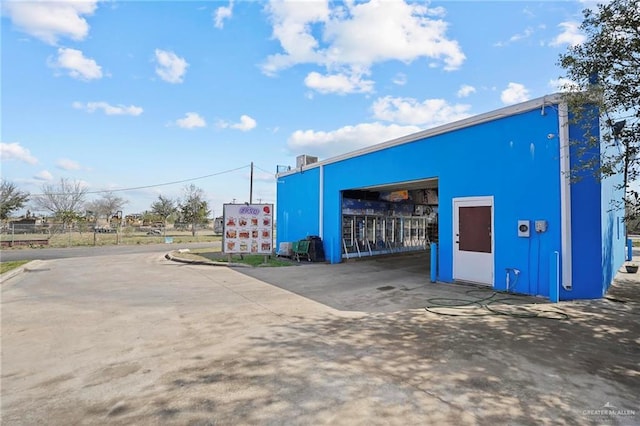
(251, 186)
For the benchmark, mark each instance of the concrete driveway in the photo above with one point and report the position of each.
(138, 339)
(377, 284)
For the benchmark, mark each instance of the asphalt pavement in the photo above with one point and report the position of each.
(85, 251)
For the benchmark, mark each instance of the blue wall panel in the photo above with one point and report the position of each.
(613, 231)
(596, 217)
(613, 226)
(586, 232)
(297, 207)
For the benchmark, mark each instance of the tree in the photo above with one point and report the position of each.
(193, 208)
(65, 200)
(604, 72)
(11, 199)
(164, 208)
(107, 206)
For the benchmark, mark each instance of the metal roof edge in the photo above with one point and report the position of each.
(551, 99)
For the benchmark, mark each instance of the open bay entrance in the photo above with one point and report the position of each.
(386, 219)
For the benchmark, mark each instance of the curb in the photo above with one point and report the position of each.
(17, 271)
(173, 258)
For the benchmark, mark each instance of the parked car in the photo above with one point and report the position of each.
(154, 232)
(103, 229)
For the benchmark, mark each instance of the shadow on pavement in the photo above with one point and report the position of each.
(420, 367)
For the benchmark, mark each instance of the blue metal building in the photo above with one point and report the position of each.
(492, 191)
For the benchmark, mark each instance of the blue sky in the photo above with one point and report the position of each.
(130, 94)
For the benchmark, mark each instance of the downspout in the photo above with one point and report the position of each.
(321, 204)
(565, 195)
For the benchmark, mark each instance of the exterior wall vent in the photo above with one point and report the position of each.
(305, 160)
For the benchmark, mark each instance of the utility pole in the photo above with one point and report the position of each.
(251, 186)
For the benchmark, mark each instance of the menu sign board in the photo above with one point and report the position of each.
(248, 228)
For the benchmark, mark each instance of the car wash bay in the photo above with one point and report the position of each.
(491, 191)
(388, 219)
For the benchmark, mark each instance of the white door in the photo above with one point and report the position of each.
(473, 247)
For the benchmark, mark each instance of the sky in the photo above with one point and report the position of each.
(144, 97)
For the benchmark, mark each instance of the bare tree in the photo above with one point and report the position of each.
(164, 208)
(193, 208)
(11, 199)
(107, 206)
(64, 200)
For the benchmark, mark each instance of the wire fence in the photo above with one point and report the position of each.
(84, 234)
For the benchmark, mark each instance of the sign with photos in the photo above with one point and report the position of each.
(248, 229)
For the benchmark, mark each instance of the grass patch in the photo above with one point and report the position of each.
(247, 259)
(7, 266)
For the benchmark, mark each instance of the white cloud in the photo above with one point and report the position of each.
(338, 83)
(439, 12)
(516, 37)
(14, 151)
(246, 123)
(465, 90)
(400, 79)
(428, 113)
(514, 93)
(345, 139)
(563, 85)
(171, 68)
(570, 34)
(222, 13)
(525, 34)
(292, 28)
(66, 164)
(44, 175)
(76, 64)
(528, 12)
(191, 120)
(348, 38)
(109, 109)
(51, 20)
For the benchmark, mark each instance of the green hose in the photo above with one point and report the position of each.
(486, 305)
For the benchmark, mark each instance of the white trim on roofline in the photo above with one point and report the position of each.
(552, 99)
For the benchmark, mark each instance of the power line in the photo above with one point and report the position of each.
(263, 170)
(159, 184)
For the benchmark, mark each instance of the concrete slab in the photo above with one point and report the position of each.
(378, 284)
(137, 339)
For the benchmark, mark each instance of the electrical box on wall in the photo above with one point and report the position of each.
(524, 228)
(541, 226)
